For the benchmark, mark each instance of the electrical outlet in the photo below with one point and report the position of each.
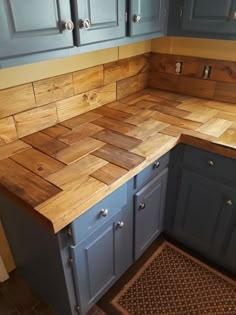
(178, 67)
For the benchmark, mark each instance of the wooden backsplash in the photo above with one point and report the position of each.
(34, 106)
(220, 86)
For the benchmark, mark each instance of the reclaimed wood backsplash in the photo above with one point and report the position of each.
(34, 106)
(220, 86)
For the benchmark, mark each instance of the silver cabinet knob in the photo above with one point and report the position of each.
(137, 18)
(86, 24)
(156, 165)
(211, 163)
(104, 212)
(228, 202)
(142, 206)
(120, 224)
(232, 16)
(69, 26)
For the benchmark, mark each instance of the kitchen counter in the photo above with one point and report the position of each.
(60, 172)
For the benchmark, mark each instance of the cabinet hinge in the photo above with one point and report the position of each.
(126, 17)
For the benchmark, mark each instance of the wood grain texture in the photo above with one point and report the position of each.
(5, 251)
(79, 150)
(37, 162)
(88, 79)
(131, 85)
(45, 143)
(192, 104)
(148, 129)
(79, 133)
(228, 138)
(109, 173)
(7, 130)
(75, 173)
(140, 118)
(169, 110)
(85, 102)
(171, 96)
(176, 121)
(55, 131)
(36, 119)
(118, 156)
(24, 184)
(53, 89)
(112, 113)
(117, 139)
(225, 92)
(202, 114)
(80, 120)
(16, 99)
(215, 127)
(113, 124)
(12, 149)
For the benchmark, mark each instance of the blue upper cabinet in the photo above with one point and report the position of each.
(99, 20)
(148, 16)
(30, 26)
(203, 18)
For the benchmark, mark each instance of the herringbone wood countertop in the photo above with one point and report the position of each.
(60, 172)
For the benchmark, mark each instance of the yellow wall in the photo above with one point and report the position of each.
(198, 47)
(10, 77)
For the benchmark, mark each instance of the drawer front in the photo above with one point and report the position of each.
(152, 170)
(98, 214)
(210, 164)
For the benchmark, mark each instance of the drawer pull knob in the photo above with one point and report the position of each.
(142, 206)
(137, 18)
(211, 163)
(104, 212)
(228, 202)
(156, 165)
(69, 26)
(85, 24)
(120, 224)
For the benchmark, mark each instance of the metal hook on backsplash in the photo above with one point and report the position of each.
(206, 72)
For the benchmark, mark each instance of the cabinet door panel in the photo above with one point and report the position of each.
(202, 214)
(212, 16)
(31, 26)
(106, 17)
(149, 207)
(153, 16)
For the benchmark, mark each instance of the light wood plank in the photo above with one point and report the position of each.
(169, 110)
(215, 127)
(88, 79)
(109, 173)
(35, 119)
(13, 148)
(134, 49)
(228, 138)
(140, 117)
(176, 121)
(7, 130)
(53, 89)
(202, 114)
(192, 104)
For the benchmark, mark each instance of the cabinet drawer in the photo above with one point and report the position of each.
(98, 214)
(152, 170)
(210, 164)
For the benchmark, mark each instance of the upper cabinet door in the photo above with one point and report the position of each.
(30, 26)
(209, 16)
(147, 16)
(99, 20)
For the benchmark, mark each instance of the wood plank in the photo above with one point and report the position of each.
(80, 120)
(171, 96)
(148, 129)
(55, 131)
(114, 125)
(109, 173)
(161, 101)
(88, 79)
(53, 89)
(176, 121)
(13, 148)
(215, 127)
(16, 99)
(148, 148)
(85, 102)
(226, 116)
(130, 109)
(169, 110)
(35, 119)
(3, 272)
(131, 85)
(79, 150)
(228, 138)
(73, 173)
(111, 113)
(134, 98)
(7, 130)
(202, 114)
(119, 156)
(221, 106)
(192, 104)
(225, 92)
(79, 133)
(5, 251)
(38, 162)
(24, 184)
(122, 69)
(45, 143)
(140, 117)
(117, 139)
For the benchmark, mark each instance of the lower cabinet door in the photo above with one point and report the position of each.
(149, 208)
(101, 258)
(204, 216)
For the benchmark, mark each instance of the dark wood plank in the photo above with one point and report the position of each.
(45, 143)
(111, 113)
(37, 162)
(114, 125)
(117, 139)
(119, 156)
(169, 110)
(225, 92)
(55, 131)
(109, 173)
(24, 184)
(80, 120)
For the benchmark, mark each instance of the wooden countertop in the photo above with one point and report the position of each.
(60, 172)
